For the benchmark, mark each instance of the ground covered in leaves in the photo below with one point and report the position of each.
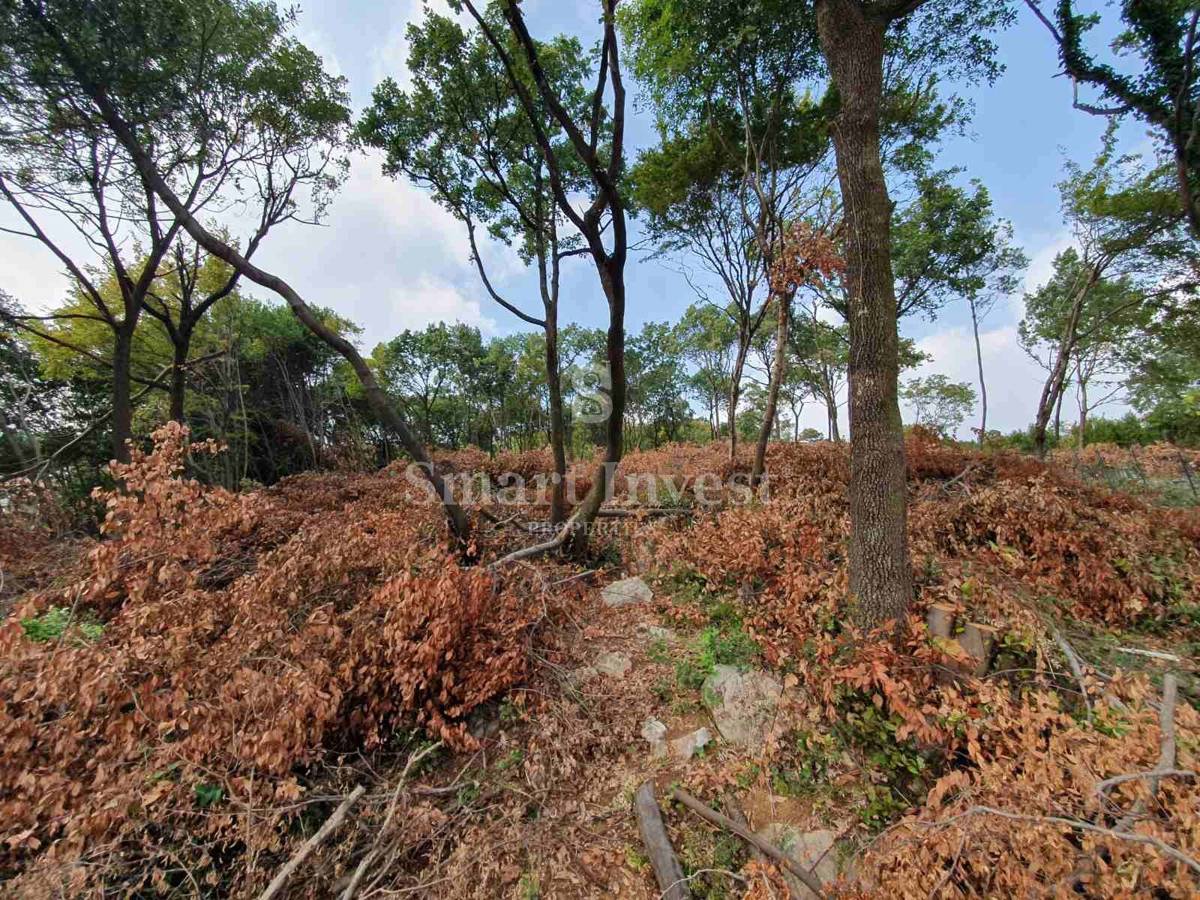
(183, 706)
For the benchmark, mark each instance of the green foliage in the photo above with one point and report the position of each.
(58, 622)
(938, 403)
(208, 795)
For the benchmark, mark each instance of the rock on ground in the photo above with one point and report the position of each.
(742, 704)
(811, 849)
(615, 665)
(689, 745)
(654, 733)
(626, 592)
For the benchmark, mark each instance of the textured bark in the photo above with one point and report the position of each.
(122, 401)
(558, 439)
(778, 372)
(182, 344)
(880, 569)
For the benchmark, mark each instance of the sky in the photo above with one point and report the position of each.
(388, 258)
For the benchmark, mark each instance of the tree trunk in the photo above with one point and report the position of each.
(982, 383)
(182, 346)
(612, 279)
(122, 402)
(880, 569)
(1081, 438)
(735, 389)
(778, 372)
(558, 441)
(1050, 402)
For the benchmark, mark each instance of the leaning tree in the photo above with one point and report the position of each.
(223, 78)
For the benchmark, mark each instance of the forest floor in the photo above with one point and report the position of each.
(186, 703)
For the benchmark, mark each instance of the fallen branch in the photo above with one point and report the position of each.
(1152, 654)
(811, 881)
(1079, 825)
(387, 821)
(1076, 667)
(331, 825)
(667, 870)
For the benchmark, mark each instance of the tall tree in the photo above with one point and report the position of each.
(261, 105)
(854, 37)
(598, 140)
(460, 130)
(739, 140)
(1126, 221)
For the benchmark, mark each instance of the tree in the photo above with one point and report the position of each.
(461, 131)
(246, 116)
(707, 335)
(739, 139)
(598, 140)
(855, 36)
(1161, 89)
(939, 403)
(1126, 221)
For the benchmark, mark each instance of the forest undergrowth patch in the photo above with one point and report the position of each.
(220, 669)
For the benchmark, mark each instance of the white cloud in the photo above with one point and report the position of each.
(1041, 262)
(389, 57)
(429, 300)
(1013, 379)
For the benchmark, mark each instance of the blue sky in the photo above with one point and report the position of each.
(389, 258)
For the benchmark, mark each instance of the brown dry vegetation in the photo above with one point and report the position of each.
(262, 653)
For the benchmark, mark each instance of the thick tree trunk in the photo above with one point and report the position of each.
(880, 569)
(1050, 402)
(122, 402)
(612, 279)
(778, 372)
(982, 383)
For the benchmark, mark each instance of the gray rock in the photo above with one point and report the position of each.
(811, 849)
(659, 633)
(655, 733)
(484, 721)
(614, 665)
(690, 744)
(742, 704)
(626, 592)
(582, 674)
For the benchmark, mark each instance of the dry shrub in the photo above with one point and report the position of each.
(1040, 762)
(245, 638)
(1159, 460)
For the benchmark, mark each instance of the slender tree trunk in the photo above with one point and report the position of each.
(1050, 402)
(778, 373)
(1083, 408)
(880, 569)
(612, 279)
(181, 346)
(122, 403)
(735, 388)
(558, 441)
(982, 382)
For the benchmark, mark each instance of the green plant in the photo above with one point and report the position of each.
(208, 795)
(56, 622)
(529, 887)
